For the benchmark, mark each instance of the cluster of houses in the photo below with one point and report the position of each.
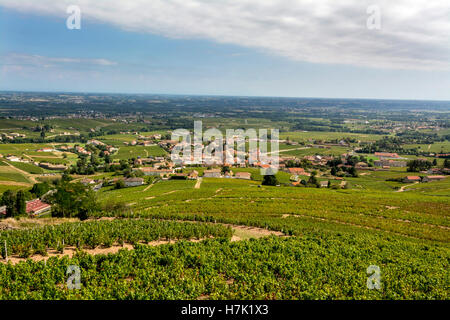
(98, 184)
(155, 136)
(44, 165)
(80, 149)
(386, 164)
(388, 160)
(146, 141)
(12, 136)
(193, 175)
(109, 149)
(217, 173)
(318, 160)
(423, 179)
(438, 171)
(166, 174)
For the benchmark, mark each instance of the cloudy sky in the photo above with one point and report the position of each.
(304, 48)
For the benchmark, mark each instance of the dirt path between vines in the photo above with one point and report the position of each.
(70, 250)
(240, 233)
(402, 189)
(245, 232)
(149, 186)
(13, 183)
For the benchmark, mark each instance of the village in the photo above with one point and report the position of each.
(322, 171)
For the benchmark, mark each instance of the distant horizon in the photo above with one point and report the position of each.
(215, 95)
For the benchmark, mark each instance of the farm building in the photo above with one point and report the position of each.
(243, 175)
(389, 163)
(386, 155)
(228, 174)
(95, 143)
(213, 173)
(179, 176)
(13, 159)
(150, 171)
(433, 178)
(36, 206)
(412, 179)
(324, 184)
(296, 171)
(193, 175)
(134, 182)
(50, 166)
(87, 181)
(361, 165)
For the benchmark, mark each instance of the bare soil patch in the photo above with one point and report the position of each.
(70, 251)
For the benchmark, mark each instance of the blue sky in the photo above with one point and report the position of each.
(38, 53)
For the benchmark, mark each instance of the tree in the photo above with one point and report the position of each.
(9, 200)
(15, 203)
(270, 180)
(419, 165)
(39, 189)
(313, 182)
(225, 169)
(21, 205)
(73, 200)
(94, 160)
(107, 158)
(333, 171)
(66, 177)
(120, 184)
(446, 163)
(353, 172)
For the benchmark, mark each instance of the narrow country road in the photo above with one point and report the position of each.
(199, 182)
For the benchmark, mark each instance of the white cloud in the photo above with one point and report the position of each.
(414, 33)
(17, 59)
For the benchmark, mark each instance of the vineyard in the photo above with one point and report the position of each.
(92, 234)
(333, 236)
(282, 208)
(315, 266)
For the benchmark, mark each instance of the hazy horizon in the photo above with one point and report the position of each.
(213, 95)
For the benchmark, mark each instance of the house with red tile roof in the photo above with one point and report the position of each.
(296, 171)
(433, 178)
(36, 207)
(412, 179)
(243, 175)
(386, 155)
